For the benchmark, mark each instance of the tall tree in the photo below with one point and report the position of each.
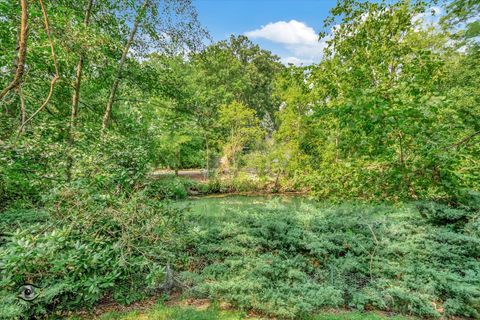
(116, 82)
(375, 126)
(76, 93)
(55, 66)
(22, 51)
(237, 70)
(167, 26)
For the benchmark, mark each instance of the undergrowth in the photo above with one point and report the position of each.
(287, 261)
(172, 187)
(85, 247)
(418, 260)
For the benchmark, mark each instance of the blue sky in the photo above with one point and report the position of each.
(289, 28)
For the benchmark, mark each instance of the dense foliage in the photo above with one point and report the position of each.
(383, 115)
(100, 247)
(96, 95)
(292, 260)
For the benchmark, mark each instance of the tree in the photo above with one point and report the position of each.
(76, 92)
(464, 12)
(237, 70)
(242, 132)
(22, 51)
(295, 95)
(229, 71)
(174, 138)
(116, 82)
(173, 119)
(169, 24)
(55, 66)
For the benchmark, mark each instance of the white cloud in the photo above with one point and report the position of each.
(302, 43)
(292, 32)
(296, 37)
(292, 60)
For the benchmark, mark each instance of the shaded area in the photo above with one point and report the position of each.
(194, 174)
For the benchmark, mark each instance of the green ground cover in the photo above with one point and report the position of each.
(161, 312)
(283, 257)
(290, 257)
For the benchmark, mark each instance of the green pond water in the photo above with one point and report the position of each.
(220, 205)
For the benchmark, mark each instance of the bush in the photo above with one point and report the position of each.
(293, 261)
(170, 188)
(443, 214)
(113, 163)
(25, 171)
(242, 182)
(213, 185)
(89, 248)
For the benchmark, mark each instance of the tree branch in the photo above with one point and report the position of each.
(57, 73)
(22, 52)
(465, 140)
(108, 109)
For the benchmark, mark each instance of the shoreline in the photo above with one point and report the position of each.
(249, 194)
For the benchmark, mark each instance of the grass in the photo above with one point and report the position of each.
(162, 312)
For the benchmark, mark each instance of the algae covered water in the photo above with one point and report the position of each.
(220, 205)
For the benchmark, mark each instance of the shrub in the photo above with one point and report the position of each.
(89, 248)
(170, 187)
(293, 261)
(213, 185)
(25, 171)
(443, 214)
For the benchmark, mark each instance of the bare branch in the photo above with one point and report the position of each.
(465, 140)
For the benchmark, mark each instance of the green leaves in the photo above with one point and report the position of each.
(79, 256)
(292, 258)
(373, 117)
(241, 129)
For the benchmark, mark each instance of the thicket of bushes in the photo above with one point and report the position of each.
(84, 248)
(106, 235)
(100, 235)
(172, 187)
(421, 260)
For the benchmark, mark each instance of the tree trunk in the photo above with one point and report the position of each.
(22, 51)
(57, 73)
(207, 156)
(177, 161)
(23, 113)
(76, 96)
(108, 110)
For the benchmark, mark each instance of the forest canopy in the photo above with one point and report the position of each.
(390, 112)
